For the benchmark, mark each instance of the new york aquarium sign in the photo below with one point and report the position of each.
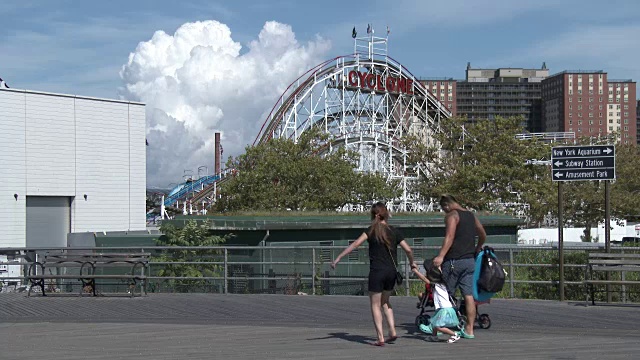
(376, 82)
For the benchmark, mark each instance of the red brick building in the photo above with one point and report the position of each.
(589, 104)
(444, 89)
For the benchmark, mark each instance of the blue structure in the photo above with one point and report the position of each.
(184, 189)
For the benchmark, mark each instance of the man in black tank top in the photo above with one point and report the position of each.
(457, 254)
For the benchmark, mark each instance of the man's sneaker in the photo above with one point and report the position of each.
(426, 329)
(455, 337)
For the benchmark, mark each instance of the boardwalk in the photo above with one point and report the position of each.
(198, 326)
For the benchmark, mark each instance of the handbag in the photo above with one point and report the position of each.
(492, 274)
(399, 276)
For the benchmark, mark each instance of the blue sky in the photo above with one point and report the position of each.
(79, 47)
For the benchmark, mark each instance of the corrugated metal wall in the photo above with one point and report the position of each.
(62, 145)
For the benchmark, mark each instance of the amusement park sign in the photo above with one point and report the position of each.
(378, 83)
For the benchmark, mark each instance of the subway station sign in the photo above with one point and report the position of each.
(580, 163)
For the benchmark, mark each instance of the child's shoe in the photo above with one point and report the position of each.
(426, 329)
(455, 337)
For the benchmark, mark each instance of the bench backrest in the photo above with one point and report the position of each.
(98, 258)
(614, 259)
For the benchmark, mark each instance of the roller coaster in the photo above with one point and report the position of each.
(365, 102)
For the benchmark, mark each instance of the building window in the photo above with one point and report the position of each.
(579, 92)
(590, 107)
(600, 108)
(626, 128)
(570, 107)
(579, 107)
(579, 99)
(590, 130)
(570, 122)
(610, 121)
(450, 98)
(600, 122)
(449, 106)
(570, 114)
(590, 99)
(590, 115)
(626, 121)
(610, 128)
(570, 99)
(626, 107)
(600, 92)
(579, 122)
(610, 106)
(610, 92)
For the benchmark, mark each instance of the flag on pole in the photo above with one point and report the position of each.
(388, 31)
(354, 33)
(369, 30)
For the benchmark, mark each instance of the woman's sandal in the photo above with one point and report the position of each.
(378, 343)
(392, 339)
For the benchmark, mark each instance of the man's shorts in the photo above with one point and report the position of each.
(458, 274)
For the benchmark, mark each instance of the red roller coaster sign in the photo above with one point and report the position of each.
(379, 83)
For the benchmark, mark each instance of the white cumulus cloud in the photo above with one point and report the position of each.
(199, 81)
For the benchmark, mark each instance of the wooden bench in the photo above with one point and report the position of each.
(87, 264)
(608, 263)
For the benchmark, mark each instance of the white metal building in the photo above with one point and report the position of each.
(69, 164)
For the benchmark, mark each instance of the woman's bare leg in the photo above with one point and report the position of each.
(376, 313)
(388, 313)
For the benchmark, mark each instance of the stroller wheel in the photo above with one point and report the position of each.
(463, 322)
(484, 321)
(423, 320)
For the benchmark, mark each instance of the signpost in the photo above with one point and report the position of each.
(575, 163)
(582, 163)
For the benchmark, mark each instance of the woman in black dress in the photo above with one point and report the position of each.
(383, 242)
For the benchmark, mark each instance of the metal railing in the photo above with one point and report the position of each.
(532, 271)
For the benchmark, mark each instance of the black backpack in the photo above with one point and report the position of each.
(492, 275)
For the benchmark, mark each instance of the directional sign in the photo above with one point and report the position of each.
(575, 163)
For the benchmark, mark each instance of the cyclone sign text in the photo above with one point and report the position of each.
(378, 83)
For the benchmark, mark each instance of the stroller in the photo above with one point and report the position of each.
(426, 306)
(483, 320)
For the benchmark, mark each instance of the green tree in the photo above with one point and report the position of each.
(282, 174)
(484, 163)
(180, 260)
